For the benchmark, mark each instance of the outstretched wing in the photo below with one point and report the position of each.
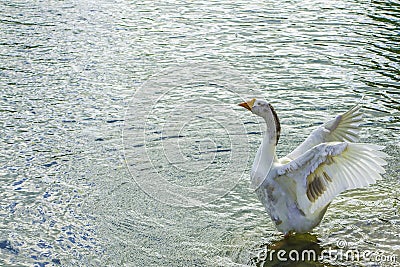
(344, 128)
(328, 169)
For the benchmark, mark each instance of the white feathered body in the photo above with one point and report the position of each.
(297, 189)
(284, 210)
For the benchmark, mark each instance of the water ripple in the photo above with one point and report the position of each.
(67, 70)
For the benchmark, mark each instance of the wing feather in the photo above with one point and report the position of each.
(344, 128)
(361, 171)
(328, 169)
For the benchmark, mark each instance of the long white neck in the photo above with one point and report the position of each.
(266, 153)
(270, 137)
(272, 133)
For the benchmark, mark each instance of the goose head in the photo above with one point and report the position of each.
(257, 107)
(265, 110)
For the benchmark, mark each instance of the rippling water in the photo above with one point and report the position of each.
(74, 192)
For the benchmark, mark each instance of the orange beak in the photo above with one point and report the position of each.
(245, 105)
(248, 105)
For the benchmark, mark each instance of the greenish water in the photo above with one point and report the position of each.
(122, 144)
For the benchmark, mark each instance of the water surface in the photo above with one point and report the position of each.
(69, 72)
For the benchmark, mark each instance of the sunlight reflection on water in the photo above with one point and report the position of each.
(69, 70)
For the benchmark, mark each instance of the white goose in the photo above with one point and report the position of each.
(296, 190)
